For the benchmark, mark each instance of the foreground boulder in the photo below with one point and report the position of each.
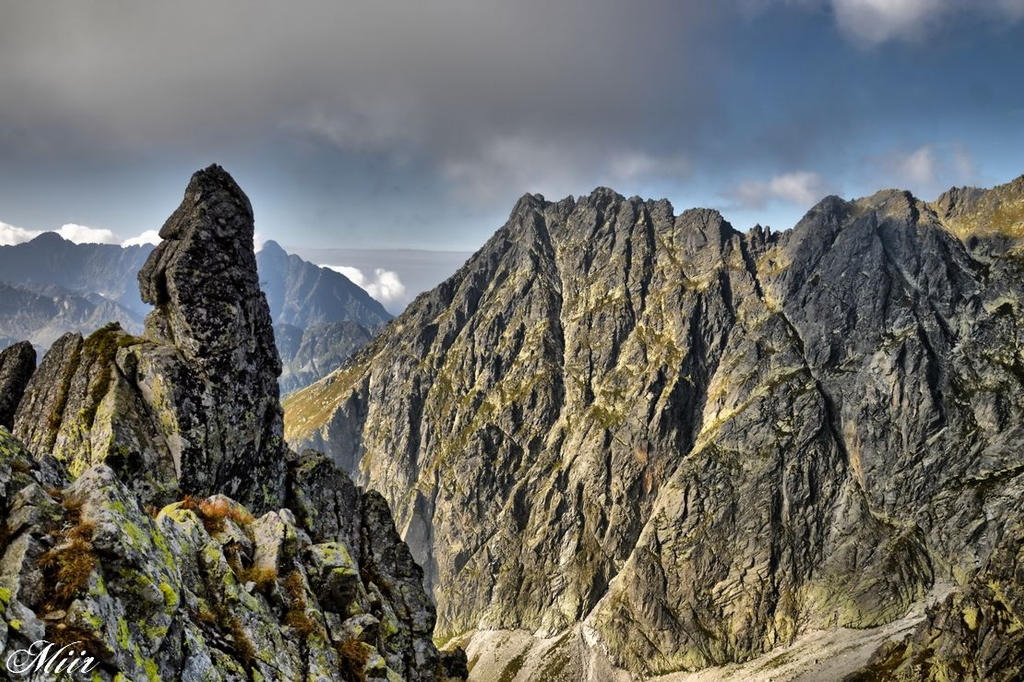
(17, 363)
(203, 590)
(192, 405)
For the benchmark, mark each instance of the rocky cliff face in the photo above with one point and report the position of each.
(261, 563)
(302, 294)
(320, 316)
(976, 633)
(654, 441)
(202, 281)
(17, 363)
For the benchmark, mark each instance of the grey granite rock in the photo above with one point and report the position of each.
(319, 586)
(192, 406)
(202, 590)
(203, 282)
(17, 363)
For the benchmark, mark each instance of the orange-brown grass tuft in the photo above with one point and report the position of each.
(300, 621)
(213, 512)
(71, 563)
(62, 634)
(295, 589)
(243, 645)
(263, 578)
(354, 655)
(206, 614)
(21, 466)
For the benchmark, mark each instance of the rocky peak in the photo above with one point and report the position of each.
(192, 406)
(17, 363)
(49, 239)
(986, 219)
(203, 281)
(262, 564)
(679, 446)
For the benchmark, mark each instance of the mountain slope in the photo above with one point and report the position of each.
(42, 319)
(316, 351)
(679, 445)
(302, 294)
(320, 316)
(80, 269)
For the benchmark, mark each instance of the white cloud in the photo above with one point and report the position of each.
(516, 163)
(385, 285)
(81, 234)
(928, 169)
(11, 235)
(258, 240)
(877, 21)
(147, 237)
(556, 167)
(803, 188)
(918, 167)
(872, 22)
(963, 163)
(636, 165)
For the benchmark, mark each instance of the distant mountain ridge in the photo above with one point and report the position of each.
(50, 286)
(80, 269)
(41, 318)
(301, 293)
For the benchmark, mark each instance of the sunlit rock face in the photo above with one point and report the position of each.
(684, 445)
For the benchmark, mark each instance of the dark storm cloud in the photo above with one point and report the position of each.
(478, 87)
(417, 124)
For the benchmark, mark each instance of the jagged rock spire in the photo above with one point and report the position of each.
(193, 406)
(202, 279)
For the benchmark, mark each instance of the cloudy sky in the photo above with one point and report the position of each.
(390, 124)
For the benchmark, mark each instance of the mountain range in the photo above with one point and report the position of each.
(619, 443)
(50, 286)
(624, 442)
